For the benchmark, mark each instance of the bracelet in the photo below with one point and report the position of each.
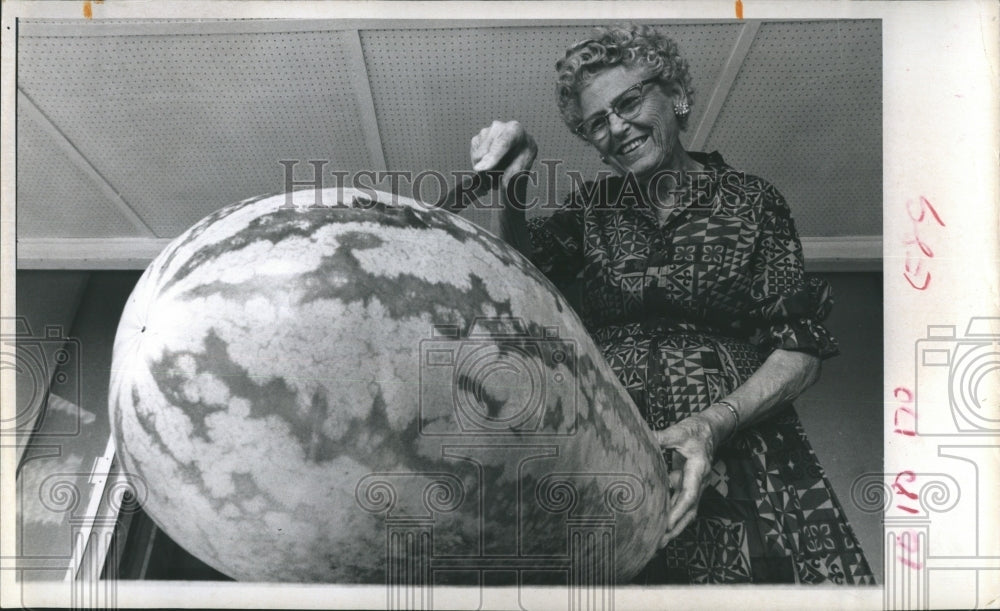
(732, 410)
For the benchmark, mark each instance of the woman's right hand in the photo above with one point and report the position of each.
(507, 147)
(504, 145)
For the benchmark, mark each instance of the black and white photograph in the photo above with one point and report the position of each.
(448, 310)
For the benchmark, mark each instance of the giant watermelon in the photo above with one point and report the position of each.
(371, 389)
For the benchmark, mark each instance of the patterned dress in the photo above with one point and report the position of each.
(685, 312)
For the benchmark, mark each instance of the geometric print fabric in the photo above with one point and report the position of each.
(686, 311)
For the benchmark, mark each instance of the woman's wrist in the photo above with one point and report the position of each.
(724, 418)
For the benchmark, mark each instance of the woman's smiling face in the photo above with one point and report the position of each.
(649, 141)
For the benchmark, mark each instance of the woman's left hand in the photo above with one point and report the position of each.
(695, 440)
(782, 378)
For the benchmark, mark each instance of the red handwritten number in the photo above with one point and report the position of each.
(916, 272)
(910, 478)
(924, 207)
(913, 268)
(910, 432)
(910, 563)
(924, 248)
(910, 543)
(920, 285)
(905, 395)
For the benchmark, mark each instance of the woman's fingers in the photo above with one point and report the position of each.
(482, 142)
(683, 501)
(690, 491)
(675, 481)
(522, 161)
(492, 144)
(686, 486)
(475, 147)
(498, 143)
(676, 436)
(683, 523)
(686, 439)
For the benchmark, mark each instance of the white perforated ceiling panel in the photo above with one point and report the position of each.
(177, 119)
(183, 124)
(805, 113)
(434, 89)
(64, 200)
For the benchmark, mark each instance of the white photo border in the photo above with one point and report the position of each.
(941, 135)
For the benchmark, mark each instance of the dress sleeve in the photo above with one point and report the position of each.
(788, 306)
(557, 244)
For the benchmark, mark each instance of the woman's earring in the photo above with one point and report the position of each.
(604, 159)
(682, 108)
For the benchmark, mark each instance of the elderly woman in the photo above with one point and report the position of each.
(694, 289)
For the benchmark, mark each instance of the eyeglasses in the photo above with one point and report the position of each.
(627, 106)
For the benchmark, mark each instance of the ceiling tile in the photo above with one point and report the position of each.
(181, 125)
(435, 89)
(55, 197)
(805, 113)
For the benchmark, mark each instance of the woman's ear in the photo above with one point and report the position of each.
(676, 94)
(679, 100)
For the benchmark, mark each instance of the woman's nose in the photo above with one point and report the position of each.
(616, 124)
